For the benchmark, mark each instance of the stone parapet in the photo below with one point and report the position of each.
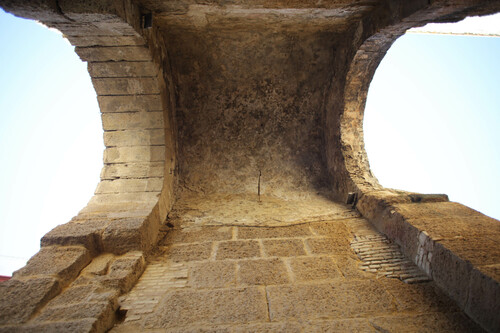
(455, 245)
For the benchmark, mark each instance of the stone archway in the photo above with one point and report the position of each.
(304, 69)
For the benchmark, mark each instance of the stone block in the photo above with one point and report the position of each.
(338, 246)
(122, 69)
(130, 103)
(81, 294)
(99, 265)
(125, 271)
(86, 41)
(129, 185)
(283, 247)
(342, 299)
(221, 306)
(418, 298)
(451, 273)
(314, 268)
(132, 170)
(117, 28)
(118, 210)
(79, 29)
(197, 235)
(453, 228)
(342, 325)
(331, 229)
(429, 322)
(145, 200)
(191, 252)
(122, 53)
(45, 11)
(275, 232)
(63, 262)
(238, 250)
(207, 328)
(130, 234)
(479, 250)
(483, 303)
(125, 86)
(262, 272)
(435, 210)
(101, 311)
(130, 138)
(21, 298)
(84, 325)
(134, 154)
(132, 121)
(77, 232)
(218, 274)
(292, 327)
(349, 266)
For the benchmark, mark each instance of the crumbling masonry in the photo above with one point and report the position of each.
(236, 193)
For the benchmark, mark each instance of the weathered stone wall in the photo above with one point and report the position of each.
(73, 283)
(209, 95)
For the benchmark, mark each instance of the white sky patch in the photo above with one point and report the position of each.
(474, 25)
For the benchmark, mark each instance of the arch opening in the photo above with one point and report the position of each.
(50, 137)
(431, 114)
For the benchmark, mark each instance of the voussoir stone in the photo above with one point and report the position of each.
(22, 297)
(64, 262)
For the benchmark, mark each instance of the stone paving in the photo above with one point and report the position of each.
(322, 276)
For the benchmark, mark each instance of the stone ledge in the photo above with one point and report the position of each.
(21, 298)
(112, 231)
(131, 138)
(62, 262)
(122, 69)
(455, 245)
(134, 154)
(132, 121)
(129, 103)
(132, 170)
(113, 53)
(150, 184)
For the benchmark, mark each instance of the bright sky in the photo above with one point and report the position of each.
(431, 126)
(432, 118)
(50, 137)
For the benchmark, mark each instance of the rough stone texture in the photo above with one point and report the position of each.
(191, 252)
(125, 53)
(129, 103)
(132, 121)
(448, 241)
(134, 138)
(262, 272)
(76, 232)
(238, 249)
(314, 268)
(452, 322)
(189, 287)
(122, 235)
(121, 69)
(62, 262)
(283, 247)
(184, 307)
(332, 300)
(197, 234)
(213, 275)
(21, 298)
(129, 86)
(134, 154)
(260, 110)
